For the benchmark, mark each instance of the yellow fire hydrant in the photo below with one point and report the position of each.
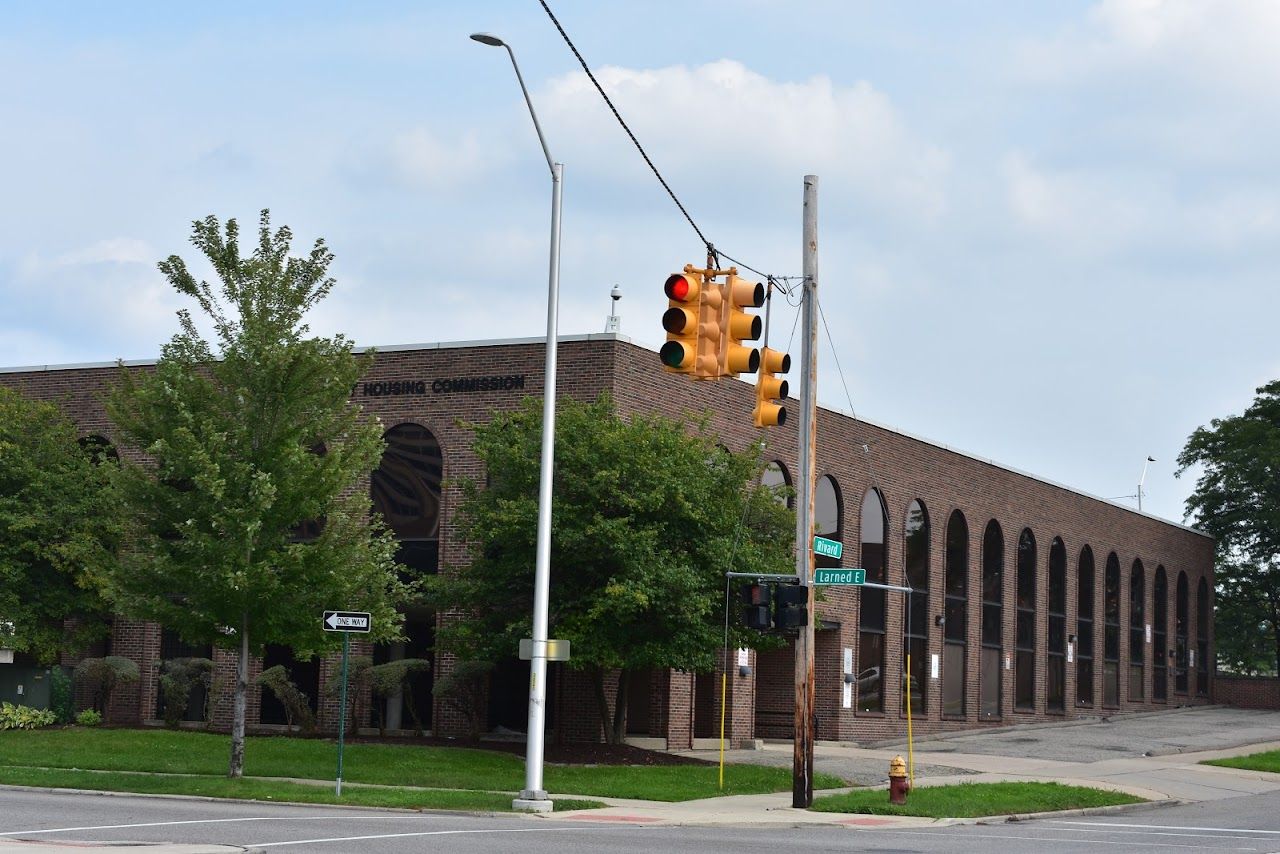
(898, 784)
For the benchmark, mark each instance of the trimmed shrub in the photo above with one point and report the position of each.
(297, 709)
(61, 701)
(101, 676)
(89, 717)
(178, 678)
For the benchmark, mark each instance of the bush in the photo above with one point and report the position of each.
(61, 703)
(178, 678)
(359, 681)
(297, 709)
(25, 717)
(101, 676)
(464, 690)
(89, 717)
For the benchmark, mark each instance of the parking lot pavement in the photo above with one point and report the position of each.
(1186, 730)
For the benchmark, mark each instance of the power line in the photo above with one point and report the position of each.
(711, 249)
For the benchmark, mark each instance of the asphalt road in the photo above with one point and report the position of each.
(1239, 824)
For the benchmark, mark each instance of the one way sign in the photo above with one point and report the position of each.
(347, 621)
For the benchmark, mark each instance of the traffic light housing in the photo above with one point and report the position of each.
(769, 388)
(738, 326)
(790, 606)
(684, 299)
(756, 610)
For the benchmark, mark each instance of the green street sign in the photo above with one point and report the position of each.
(840, 576)
(828, 548)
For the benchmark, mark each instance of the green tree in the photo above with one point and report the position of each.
(1237, 500)
(249, 516)
(57, 522)
(648, 515)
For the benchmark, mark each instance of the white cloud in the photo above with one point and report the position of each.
(116, 250)
(722, 122)
(1200, 42)
(426, 160)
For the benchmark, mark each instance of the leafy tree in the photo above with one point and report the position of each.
(1237, 500)
(57, 519)
(249, 519)
(648, 515)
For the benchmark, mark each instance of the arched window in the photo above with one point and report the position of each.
(954, 615)
(828, 516)
(1137, 631)
(776, 478)
(915, 549)
(1180, 637)
(1084, 628)
(406, 491)
(1056, 698)
(871, 623)
(989, 670)
(1160, 636)
(1024, 666)
(1111, 633)
(1202, 638)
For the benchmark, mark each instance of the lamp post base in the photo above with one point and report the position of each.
(532, 802)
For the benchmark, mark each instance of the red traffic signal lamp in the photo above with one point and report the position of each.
(756, 611)
(770, 388)
(739, 326)
(684, 296)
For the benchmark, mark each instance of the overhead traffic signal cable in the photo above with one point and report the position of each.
(712, 252)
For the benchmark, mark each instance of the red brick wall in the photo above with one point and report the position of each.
(858, 454)
(1247, 692)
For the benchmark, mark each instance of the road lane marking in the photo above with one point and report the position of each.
(191, 821)
(1163, 826)
(1053, 839)
(424, 833)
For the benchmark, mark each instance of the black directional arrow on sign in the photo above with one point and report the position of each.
(347, 621)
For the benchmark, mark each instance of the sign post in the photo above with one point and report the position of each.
(345, 622)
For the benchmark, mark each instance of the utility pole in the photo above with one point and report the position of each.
(802, 759)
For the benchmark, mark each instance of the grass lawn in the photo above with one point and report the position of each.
(271, 790)
(197, 753)
(970, 800)
(1266, 761)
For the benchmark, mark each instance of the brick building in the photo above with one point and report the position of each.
(1030, 600)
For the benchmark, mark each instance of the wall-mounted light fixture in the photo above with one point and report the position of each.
(1071, 639)
(939, 620)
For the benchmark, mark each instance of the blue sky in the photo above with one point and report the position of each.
(1048, 231)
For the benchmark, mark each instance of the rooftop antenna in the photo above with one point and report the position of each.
(612, 324)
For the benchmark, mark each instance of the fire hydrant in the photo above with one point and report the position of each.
(898, 783)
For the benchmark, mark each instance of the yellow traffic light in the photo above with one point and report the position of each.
(684, 295)
(739, 326)
(770, 388)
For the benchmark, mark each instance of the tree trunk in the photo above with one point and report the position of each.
(236, 769)
(1275, 630)
(602, 702)
(620, 710)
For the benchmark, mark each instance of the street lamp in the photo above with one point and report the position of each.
(1141, 480)
(534, 798)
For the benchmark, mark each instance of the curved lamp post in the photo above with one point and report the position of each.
(534, 797)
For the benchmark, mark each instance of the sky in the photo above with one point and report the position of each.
(1047, 232)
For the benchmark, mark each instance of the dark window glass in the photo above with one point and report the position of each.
(1137, 631)
(775, 477)
(1202, 638)
(406, 484)
(1160, 638)
(955, 615)
(1084, 629)
(989, 675)
(1056, 696)
(1180, 637)
(916, 605)
(871, 610)
(1024, 698)
(828, 517)
(1111, 633)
